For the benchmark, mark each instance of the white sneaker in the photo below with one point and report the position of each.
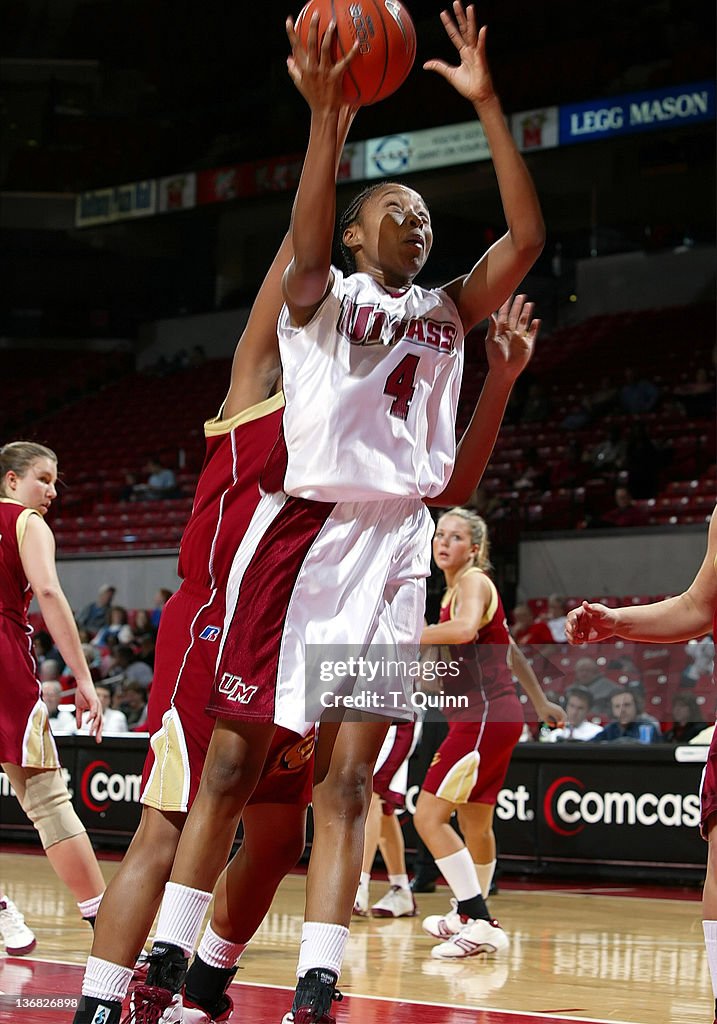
(446, 925)
(179, 1013)
(397, 902)
(361, 907)
(18, 938)
(473, 939)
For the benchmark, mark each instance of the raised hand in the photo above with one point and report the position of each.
(472, 77)
(590, 623)
(510, 340)
(313, 70)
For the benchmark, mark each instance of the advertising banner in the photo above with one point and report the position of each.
(106, 205)
(222, 184)
(535, 129)
(178, 192)
(419, 151)
(637, 112)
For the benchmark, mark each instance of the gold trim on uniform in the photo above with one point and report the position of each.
(217, 425)
(167, 788)
(38, 744)
(21, 524)
(460, 781)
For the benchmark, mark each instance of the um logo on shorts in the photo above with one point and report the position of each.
(211, 633)
(234, 688)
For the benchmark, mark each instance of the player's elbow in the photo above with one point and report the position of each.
(465, 633)
(47, 592)
(529, 241)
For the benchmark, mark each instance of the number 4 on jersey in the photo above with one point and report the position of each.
(399, 386)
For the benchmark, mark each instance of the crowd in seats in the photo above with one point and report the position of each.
(662, 677)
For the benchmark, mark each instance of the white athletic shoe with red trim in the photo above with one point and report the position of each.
(18, 939)
(474, 939)
(397, 902)
(361, 906)
(443, 926)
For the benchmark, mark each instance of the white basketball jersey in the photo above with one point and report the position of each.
(371, 386)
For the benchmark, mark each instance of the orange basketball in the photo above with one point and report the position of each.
(387, 43)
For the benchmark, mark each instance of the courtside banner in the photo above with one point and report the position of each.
(419, 151)
(124, 202)
(178, 192)
(107, 784)
(648, 111)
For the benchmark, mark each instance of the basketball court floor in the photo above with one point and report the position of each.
(606, 953)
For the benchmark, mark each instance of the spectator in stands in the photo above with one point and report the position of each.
(114, 721)
(62, 720)
(701, 653)
(130, 482)
(484, 504)
(601, 689)
(687, 720)
(534, 474)
(96, 614)
(43, 647)
(160, 599)
(557, 617)
(133, 703)
(117, 626)
(50, 671)
(161, 482)
(577, 709)
(608, 455)
(526, 630)
(626, 512)
(537, 404)
(638, 394)
(642, 461)
(601, 401)
(132, 670)
(629, 723)
(142, 623)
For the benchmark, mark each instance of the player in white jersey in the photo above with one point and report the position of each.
(348, 567)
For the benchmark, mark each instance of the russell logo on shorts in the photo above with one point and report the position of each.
(234, 688)
(211, 633)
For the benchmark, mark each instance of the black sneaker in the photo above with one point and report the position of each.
(315, 993)
(166, 967)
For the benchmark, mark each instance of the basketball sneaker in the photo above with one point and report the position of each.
(475, 938)
(183, 1011)
(148, 1005)
(18, 939)
(315, 993)
(361, 908)
(397, 902)
(446, 925)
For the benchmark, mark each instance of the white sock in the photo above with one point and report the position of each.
(322, 945)
(219, 952)
(365, 880)
(104, 980)
(485, 874)
(181, 916)
(710, 930)
(400, 880)
(89, 908)
(460, 873)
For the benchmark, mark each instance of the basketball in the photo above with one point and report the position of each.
(387, 43)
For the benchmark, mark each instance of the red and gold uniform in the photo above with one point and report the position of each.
(708, 788)
(25, 737)
(471, 763)
(193, 618)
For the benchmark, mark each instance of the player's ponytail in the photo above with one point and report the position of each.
(479, 536)
(17, 457)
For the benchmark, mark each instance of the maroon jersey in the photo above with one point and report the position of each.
(485, 676)
(25, 737)
(227, 492)
(15, 593)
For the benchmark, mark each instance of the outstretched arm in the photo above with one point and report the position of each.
(503, 267)
(318, 78)
(671, 621)
(37, 555)
(509, 346)
(256, 366)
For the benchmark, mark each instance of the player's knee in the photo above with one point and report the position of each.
(227, 775)
(47, 805)
(348, 791)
